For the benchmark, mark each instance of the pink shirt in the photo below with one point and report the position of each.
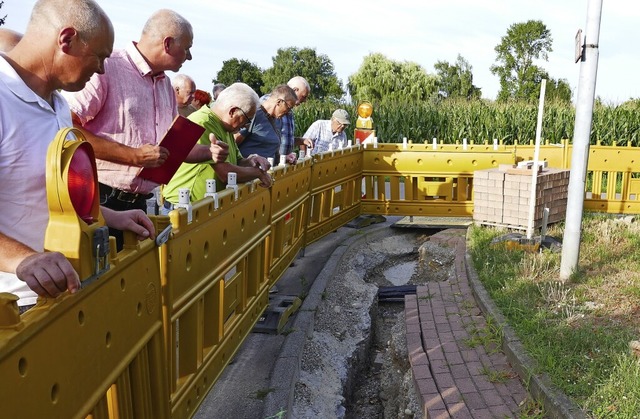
(127, 105)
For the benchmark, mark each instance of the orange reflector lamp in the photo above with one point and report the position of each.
(364, 124)
(76, 227)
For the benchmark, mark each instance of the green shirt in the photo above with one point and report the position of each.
(194, 175)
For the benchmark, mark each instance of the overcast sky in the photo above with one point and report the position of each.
(422, 31)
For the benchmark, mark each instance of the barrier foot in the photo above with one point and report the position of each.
(366, 220)
(277, 313)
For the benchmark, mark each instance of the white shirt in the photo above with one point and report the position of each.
(28, 124)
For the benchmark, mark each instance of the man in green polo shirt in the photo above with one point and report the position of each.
(234, 109)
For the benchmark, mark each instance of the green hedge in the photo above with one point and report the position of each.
(479, 121)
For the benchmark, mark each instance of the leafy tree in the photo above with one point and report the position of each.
(456, 80)
(316, 68)
(380, 78)
(516, 52)
(2, 19)
(235, 70)
(558, 90)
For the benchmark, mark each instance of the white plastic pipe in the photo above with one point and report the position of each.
(536, 156)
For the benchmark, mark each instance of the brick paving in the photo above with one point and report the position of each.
(455, 375)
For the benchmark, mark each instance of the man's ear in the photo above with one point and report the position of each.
(166, 43)
(66, 38)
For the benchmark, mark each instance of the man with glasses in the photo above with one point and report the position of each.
(232, 111)
(329, 134)
(301, 86)
(263, 136)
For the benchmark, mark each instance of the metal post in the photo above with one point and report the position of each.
(580, 154)
(536, 157)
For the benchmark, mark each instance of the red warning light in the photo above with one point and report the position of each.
(81, 182)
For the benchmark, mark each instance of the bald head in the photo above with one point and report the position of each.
(65, 43)
(8, 39)
(184, 87)
(85, 16)
(166, 41)
(300, 85)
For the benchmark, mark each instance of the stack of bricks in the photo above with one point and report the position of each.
(502, 196)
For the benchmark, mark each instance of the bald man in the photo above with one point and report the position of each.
(184, 88)
(301, 87)
(66, 41)
(126, 111)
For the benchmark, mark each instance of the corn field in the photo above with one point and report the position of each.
(481, 121)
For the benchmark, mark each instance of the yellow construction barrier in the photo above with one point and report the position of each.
(215, 286)
(425, 181)
(153, 333)
(97, 353)
(335, 192)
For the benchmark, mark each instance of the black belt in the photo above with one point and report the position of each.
(121, 195)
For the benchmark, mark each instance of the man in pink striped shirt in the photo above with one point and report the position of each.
(125, 112)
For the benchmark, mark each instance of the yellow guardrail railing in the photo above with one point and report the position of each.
(425, 181)
(335, 191)
(152, 335)
(97, 353)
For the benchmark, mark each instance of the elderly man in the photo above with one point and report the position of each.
(264, 135)
(233, 110)
(65, 42)
(329, 134)
(302, 89)
(125, 112)
(217, 89)
(185, 88)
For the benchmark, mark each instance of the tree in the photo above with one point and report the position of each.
(558, 90)
(380, 78)
(456, 80)
(519, 76)
(235, 70)
(316, 68)
(2, 19)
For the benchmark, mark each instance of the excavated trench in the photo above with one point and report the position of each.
(355, 365)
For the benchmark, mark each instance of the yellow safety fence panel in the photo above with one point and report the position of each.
(98, 353)
(424, 181)
(612, 184)
(215, 287)
(335, 191)
(151, 336)
(289, 215)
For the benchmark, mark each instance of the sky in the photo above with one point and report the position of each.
(420, 31)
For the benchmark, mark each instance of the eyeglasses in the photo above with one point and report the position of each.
(289, 108)
(246, 124)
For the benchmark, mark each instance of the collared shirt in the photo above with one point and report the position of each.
(287, 131)
(263, 135)
(322, 136)
(28, 124)
(193, 176)
(128, 105)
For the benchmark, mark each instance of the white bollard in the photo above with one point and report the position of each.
(404, 143)
(464, 143)
(435, 143)
(495, 143)
(349, 143)
(232, 183)
(184, 201)
(211, 191)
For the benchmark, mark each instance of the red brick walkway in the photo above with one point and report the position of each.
(455, 375)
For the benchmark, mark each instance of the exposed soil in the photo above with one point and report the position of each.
(355, 365)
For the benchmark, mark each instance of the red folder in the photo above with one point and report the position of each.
(179, 140)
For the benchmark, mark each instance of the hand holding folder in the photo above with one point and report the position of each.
(182, 135)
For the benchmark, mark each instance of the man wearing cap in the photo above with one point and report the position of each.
(329, 134)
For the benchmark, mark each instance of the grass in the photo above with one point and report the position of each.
(579, 331)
